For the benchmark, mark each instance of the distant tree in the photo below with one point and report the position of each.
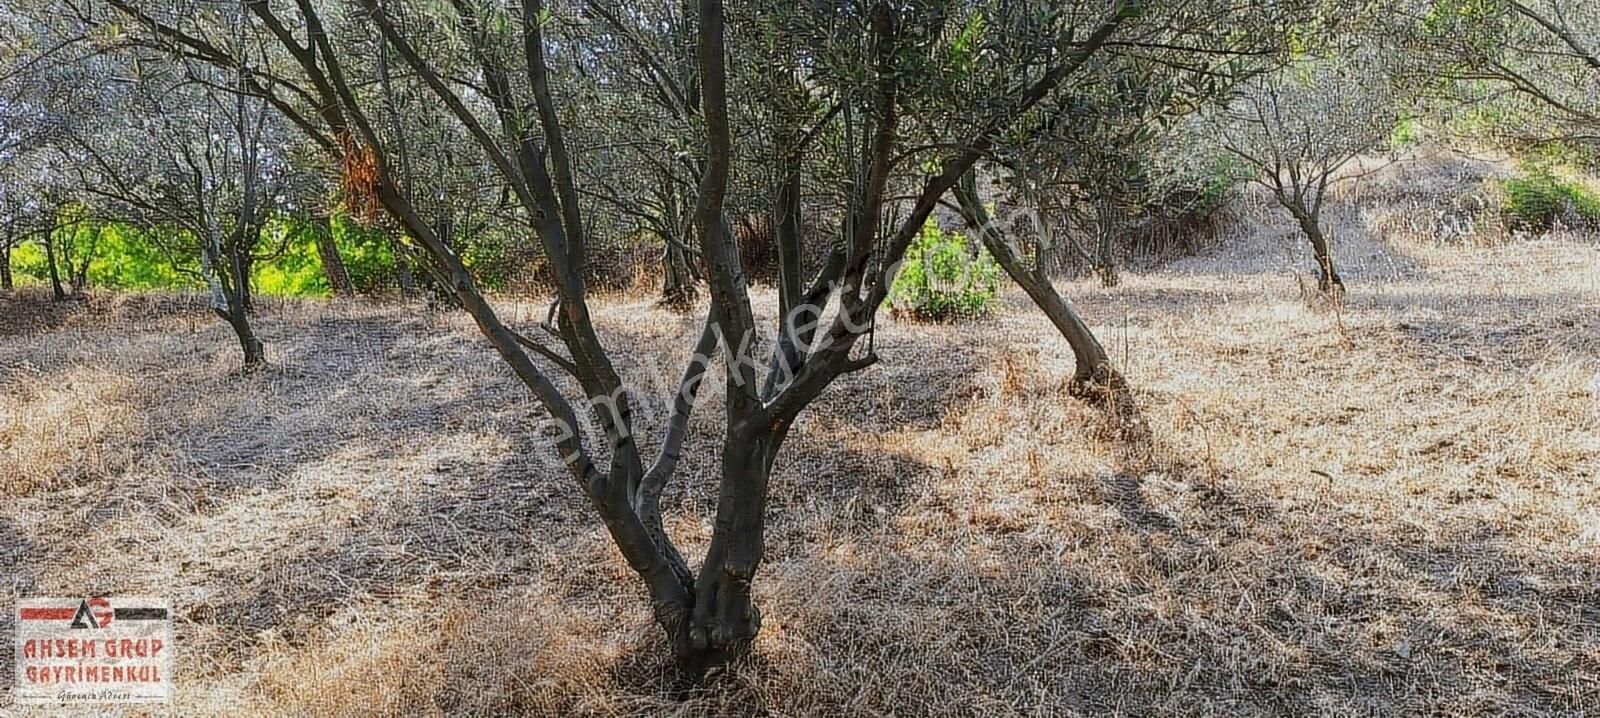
(1299, 127)
(47, 94)
(189, 151)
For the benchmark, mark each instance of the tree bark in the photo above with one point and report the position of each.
(1105, 250)
(403, 277)
(6, 283)
(243, 268)
(677, 278)
(255, 353)
(1094, 375)
(333, 266)
(57, 292)
(724, 620)
(1328, 280)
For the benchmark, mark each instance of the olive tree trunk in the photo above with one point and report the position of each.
(227, 280)
(1095, 375)
(56, 290)
(677, 276)
(1328, 280)
(6, 283)
(333, 267)
(1105, 247)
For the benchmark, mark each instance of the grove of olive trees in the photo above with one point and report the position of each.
(736, 194)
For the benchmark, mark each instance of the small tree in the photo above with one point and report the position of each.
(190, 154)
(1298, 127)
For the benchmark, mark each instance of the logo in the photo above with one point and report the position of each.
(93, 650)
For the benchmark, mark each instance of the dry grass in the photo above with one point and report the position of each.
(1402, 517)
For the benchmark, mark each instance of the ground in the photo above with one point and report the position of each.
(1387, 508)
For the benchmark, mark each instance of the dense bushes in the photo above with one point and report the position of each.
(1538, 198)
(941, 279)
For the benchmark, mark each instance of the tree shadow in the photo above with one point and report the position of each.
(1172, 590)
(1494, 330)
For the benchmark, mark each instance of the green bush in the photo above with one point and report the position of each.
(368, 255)
(1407, 134)
(297, 270)
(1537, 198)
(941, 280)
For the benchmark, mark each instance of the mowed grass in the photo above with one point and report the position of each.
(1387, 508)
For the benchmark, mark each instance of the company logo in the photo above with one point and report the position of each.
(93, 650)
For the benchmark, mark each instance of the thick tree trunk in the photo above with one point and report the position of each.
(332, 262)
(724, 620)
(5, 268)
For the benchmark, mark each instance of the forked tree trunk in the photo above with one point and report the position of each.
(724, 620)
(1328, 281)
(333, 266)
(713, 617)
(228, 299)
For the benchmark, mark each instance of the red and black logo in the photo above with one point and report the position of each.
(96, 612)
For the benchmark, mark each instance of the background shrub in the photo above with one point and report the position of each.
(1537, 198)
(941, 279)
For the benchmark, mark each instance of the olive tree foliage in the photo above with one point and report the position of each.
(1537, 61)
(879, 85)
(51, 88)
(1298, 128)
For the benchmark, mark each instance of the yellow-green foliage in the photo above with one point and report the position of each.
(128, 257)
(941, 279)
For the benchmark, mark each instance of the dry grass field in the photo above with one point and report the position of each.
(1390, 508)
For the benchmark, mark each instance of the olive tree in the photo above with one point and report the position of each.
(1299, 127)
(191, 153)
(51, 88)
(504, 76)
